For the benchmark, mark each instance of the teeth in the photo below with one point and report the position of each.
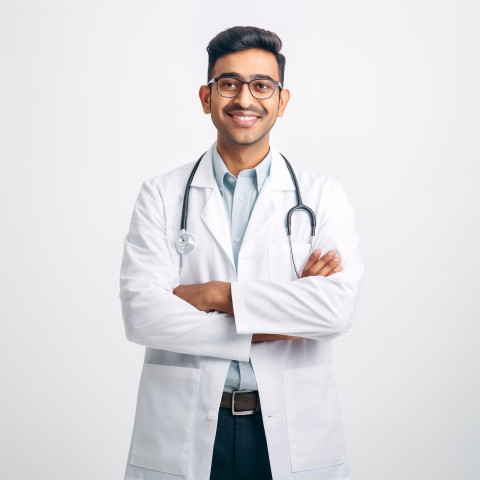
(244, 118)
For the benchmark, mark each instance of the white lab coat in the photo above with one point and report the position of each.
(188, 352)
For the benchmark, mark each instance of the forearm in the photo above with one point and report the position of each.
(152, 315)
(314, 307)
(217, 296)
(207, 297)
(158, 319)
(222, 298)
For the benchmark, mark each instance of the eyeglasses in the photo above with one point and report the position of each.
(260, 88)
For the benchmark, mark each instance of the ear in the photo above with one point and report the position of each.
(204, 93)
(282, 104)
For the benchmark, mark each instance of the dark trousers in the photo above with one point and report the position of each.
(240, 449)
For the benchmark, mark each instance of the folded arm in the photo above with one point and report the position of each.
(152, 315)
(315, 306)
(213, 296)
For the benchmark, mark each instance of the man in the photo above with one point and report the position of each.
(237, 380)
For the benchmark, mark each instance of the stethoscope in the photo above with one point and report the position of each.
(185, 242)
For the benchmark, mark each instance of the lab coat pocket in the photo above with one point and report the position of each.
(165, 414)
(280, 260)
(313, 418)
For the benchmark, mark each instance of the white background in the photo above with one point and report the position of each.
(97, 96)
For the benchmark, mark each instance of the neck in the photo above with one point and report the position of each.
(242, 157)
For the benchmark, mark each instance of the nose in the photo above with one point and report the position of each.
(244, 97)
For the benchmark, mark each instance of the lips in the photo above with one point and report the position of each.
(243, 119)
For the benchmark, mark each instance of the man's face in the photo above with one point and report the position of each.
(244, 120)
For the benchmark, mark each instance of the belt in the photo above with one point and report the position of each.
(241, 402)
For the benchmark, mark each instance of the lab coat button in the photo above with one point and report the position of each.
(211, 415)
(241, 197)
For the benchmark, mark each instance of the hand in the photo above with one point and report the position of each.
(207, 296)
(324, 266)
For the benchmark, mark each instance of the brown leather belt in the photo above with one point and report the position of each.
(241, 402)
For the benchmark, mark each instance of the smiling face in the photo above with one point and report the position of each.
(244, 120)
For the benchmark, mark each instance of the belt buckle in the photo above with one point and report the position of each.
(241, 412)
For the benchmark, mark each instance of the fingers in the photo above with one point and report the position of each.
(336, 269)
(325, 266)
(310, 262)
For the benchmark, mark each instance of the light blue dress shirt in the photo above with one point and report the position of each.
(239, 197)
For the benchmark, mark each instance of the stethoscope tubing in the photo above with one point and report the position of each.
(288, 222)
(299, 206)
(183, 222)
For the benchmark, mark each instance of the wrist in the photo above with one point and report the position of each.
(221, 297)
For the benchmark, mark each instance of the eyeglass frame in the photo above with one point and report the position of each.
(275, 84)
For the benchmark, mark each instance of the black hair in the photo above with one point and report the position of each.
(236, 39)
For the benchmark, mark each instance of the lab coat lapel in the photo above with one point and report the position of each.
(259, 223)
(213, 214)
(215, 219)
(263, 212)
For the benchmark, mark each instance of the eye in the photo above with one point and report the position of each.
(228, 83)
(262, 86)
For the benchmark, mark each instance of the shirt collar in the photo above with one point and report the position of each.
(220, 170)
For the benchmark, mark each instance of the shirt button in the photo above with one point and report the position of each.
(244, 364)
(236, 239)
(241, 197)
(211, 415)
(231, 180)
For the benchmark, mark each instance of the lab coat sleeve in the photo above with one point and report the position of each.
(152, 314)
(314, 307)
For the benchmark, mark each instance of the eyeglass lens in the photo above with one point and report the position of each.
(230, 87)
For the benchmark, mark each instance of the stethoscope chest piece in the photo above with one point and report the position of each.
(185, 242)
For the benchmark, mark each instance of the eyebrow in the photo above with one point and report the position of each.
(255, 76)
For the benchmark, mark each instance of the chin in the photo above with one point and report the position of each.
(233, 137)
(243, 140)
